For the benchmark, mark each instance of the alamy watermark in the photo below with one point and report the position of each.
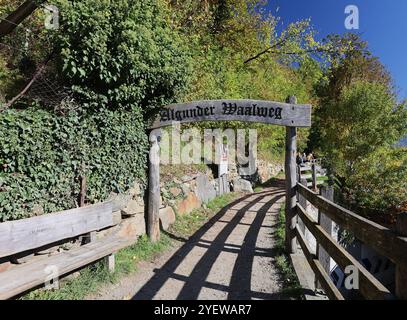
(351, 278)
(352, 19)
(194, 146)
(52, 277)
(51, 21)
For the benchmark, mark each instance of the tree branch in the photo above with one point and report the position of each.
(37, 73)
(16, 17)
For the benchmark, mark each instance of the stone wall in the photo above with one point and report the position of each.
(264, 171)
(268, 170)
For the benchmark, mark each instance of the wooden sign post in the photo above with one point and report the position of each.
(291, 182)
(282, 114)
(153, 227)
(290, 115)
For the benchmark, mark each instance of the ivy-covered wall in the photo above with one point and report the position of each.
(43, 156)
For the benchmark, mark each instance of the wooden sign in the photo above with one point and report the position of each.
(283, 114)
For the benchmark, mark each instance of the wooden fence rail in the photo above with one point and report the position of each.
(386, 242)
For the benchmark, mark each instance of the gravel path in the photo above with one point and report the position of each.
(231, 257)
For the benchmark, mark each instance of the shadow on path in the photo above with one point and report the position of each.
(230, 240)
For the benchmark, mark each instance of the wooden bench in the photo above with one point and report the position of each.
(32, 235)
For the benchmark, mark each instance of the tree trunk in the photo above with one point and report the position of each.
(15, 18)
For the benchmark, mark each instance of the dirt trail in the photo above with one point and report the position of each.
(231, 257)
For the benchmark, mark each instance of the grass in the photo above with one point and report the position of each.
(93, 277)
(291, 285)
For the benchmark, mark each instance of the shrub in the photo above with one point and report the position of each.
(121, 53)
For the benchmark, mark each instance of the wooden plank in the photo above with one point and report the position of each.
(380, 238)
(31, 275)
(153, 226)
(369, 286)
(330, 289)
(314, 177)
(283, 114)
(305, 277)
(27, 234)
(111, 262)
(291, 182)
(306, 168)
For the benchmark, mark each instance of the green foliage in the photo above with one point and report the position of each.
(121, 54)
(357, 136)
(380, 180)
(220, 71)
(43, 155)
(122, 60)
(365, 118)
(291, 285)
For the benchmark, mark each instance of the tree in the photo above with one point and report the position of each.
(346, 61)
(358, 134)
(121, 54)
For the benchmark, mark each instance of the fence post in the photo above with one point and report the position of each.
(299, 173)
(401, 268)
(314, 177)
(153, 219)
(291, 182)
(326, 192)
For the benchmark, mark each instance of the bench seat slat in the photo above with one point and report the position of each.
(26, 234)
(30, 275)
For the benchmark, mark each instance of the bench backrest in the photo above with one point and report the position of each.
(26, 234)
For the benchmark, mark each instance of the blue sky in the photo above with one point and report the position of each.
(382, 23)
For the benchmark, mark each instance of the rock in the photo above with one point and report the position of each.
(241, 185)
(205, 189)
(167, 217)
(161, 202)
(187, 205)
(107, 232)
(37, 210)
(263, 171)
(4, 266)
(71, 245)
(186, 178)
(185, 188)
(133, 207)
(133, 227)
(119, 201)
(135, 190)
(175, 191)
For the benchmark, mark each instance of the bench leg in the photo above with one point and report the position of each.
(110, 261)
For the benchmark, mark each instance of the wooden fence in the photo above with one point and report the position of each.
(388, 243)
